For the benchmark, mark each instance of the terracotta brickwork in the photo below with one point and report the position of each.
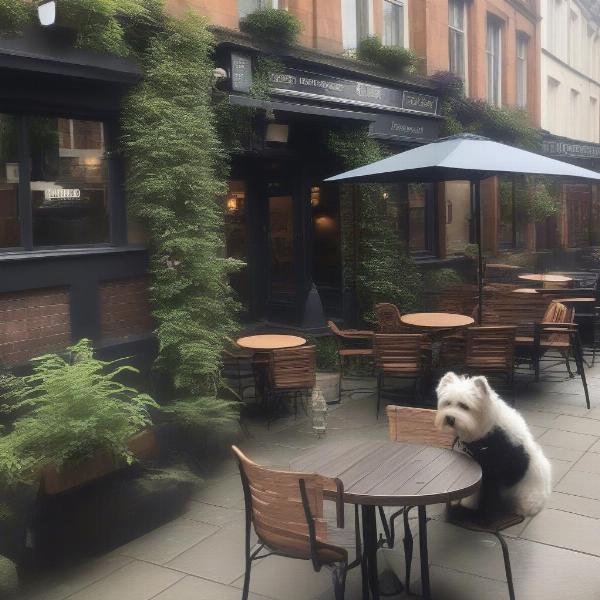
(125, 308)
(33, 322)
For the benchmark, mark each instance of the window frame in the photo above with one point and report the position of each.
(522, 67)
(361, 11)
(115, 206)
(401, 5)
(494, 57)
(461, 33)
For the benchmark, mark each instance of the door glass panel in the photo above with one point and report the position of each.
(281, 228)
(68, 182)
(236, 235)
(10, 235)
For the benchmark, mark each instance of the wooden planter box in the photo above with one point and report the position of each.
(73, 475)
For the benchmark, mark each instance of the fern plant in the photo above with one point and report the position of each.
(69, 409)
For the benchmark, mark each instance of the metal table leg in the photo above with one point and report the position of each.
(369, 524)
(426, 588)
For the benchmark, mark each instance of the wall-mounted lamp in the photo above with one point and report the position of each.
(231, 205)
(315, 196)
(385, 195)
(47, 13)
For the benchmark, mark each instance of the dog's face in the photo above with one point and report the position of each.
(464, 406)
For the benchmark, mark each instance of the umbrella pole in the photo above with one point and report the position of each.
(477, 190)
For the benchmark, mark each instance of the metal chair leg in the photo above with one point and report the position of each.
(339, 582)
(246, 589)
(578, 353)
(408, 550)
(506, 556)
(379, 383)
(568, 363)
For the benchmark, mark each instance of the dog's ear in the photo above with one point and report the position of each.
(447, 379)
(483, 387)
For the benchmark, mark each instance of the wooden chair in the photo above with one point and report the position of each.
(287, 512)
(351, 343)
(292, 371)
(388, 318)
(398, 355)
(491, 350)
(416, 426)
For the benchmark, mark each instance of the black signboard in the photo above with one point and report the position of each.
(571, 148)
(326, 88)
(404, 127)
(241, 72)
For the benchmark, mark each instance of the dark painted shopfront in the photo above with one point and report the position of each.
(66, 269)
(280, 218)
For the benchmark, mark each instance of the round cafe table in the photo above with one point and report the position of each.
(262, 345)
(525, 291)
(270, 342)
(382, 473)
(545, 278)
(436, 320)
(575, 301)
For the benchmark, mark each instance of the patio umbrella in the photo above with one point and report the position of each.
(463, 157)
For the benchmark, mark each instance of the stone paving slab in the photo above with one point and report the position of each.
(200, 554)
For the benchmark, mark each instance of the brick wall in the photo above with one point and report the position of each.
(125, 308)
(33, 322)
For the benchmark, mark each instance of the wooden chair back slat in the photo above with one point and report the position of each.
(388, 318)
(398, 351)
(491, 348)
(276, 506)
(293, 368)
(557, 313)
(416, 426)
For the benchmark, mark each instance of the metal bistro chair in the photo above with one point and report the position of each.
(292, 371)
(351, 343)
(398, 355)
(416, 425)
(491, 351)
(287, 512)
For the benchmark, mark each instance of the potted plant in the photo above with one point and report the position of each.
(74, 421)
(272, 25)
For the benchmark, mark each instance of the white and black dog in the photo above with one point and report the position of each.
(516, 474)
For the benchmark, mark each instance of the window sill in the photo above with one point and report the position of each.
(20, 255)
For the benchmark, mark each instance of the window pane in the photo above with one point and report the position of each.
(68, 182)
(349, 9)
(10, 235)
(245, 7)
(458, 216)
(393, 24)
(493, 63)
(420, 219)
(522, 45)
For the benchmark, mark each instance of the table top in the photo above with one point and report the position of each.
(437, 320)
(270, 342)
(383, 473)
(526, 291)
(546, 277)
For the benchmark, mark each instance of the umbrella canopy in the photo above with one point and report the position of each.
(461, 157)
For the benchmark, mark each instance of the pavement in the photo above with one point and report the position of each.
(199, 555)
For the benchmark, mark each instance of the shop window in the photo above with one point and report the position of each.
(421, 220)
(10, 235)
(393, 22)
(457, 216)
(494, 61)
(355, 22)
(457, 38)
(579, 215)
(522, 51)
(53, 182)
(68, 182)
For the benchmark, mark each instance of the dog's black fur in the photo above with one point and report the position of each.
(503, 464)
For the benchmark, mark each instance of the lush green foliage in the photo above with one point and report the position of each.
(272, 25)
(375, 262)
(395, 60)
(470, 115)
(14, 15)
(326, 352)
(69, 409)
(438, 279)
(175, 189)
